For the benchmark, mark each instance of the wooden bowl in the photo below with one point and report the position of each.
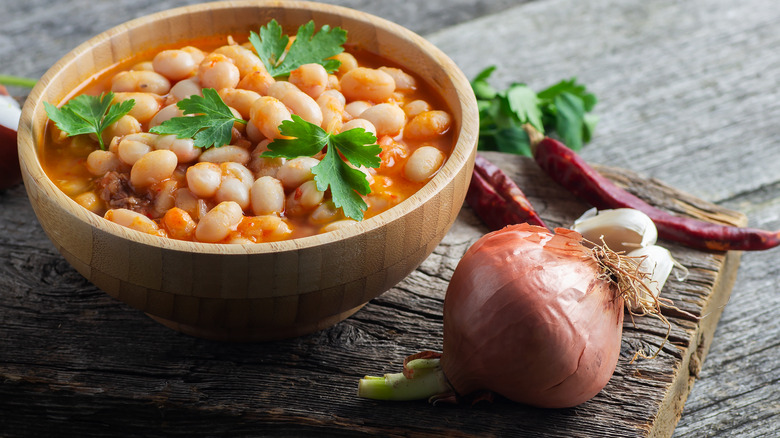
(261, 291)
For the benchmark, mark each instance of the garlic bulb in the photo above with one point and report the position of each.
(657, 263)
(621, 229)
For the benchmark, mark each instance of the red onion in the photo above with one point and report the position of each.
(533, 316)
(10, 174)
(528, 315)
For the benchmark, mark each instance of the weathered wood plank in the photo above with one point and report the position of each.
(689, 83)
(77, 360)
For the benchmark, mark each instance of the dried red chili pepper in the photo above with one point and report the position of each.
(572, 172)
(496, 199)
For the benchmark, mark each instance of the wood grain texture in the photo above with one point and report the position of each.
(259, 291)
(106, 367)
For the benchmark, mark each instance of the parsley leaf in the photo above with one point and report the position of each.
(346, 183)
(561, 109)
(87, 114)
(210, 124)
(308, 47)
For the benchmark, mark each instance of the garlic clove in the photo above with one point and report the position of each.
(657, 263)
(9, 111)
(622, 229)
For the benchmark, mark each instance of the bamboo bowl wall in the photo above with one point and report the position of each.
(261, 291)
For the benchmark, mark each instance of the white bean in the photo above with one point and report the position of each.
(142, 81)
(133, 220)
(164, 199)
(267, 113)
(196, 53)
(324, 213)
(244, 59)
(175, 64)
(90, 201)
(304, 198)
(187, 201)
(130, 151)
(218, 71)
(331, 104)
(333, 226)
(266, 228)
(233, 189)
(144, 137)
(356, 107)
(184, 89)
(146, 104)
(219, 222)
(152, 168)
(238, 171)
(363, 83)
(126, 125)
(299, 102)
(184, 148)
(240, 100)
(348, 62)
(144, 65)
(264, 166)
(203, 179)
(99, 162)
(387, 118)
(296, 171)
(403, 81)
(416, 107)
(257, 81)
(428, 125)
(423, 163)
(224, 154)
(253, 133)
(312, 79)
(267, 196)
(359, 123)
(165, 114)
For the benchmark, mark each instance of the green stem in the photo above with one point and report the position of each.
(16, 81)
(428, 380)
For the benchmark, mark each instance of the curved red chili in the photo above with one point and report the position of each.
(496, 199)
(568, 169)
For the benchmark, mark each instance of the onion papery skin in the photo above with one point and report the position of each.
(528, 316)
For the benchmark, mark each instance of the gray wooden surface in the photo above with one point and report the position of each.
(689, 94)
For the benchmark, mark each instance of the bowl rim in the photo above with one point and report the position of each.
(463, 149)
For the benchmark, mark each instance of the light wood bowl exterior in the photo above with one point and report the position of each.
(260, 291)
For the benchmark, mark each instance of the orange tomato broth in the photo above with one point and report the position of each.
(64, 160)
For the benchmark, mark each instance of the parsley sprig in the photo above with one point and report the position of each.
(560, 110)
(86, 114)
(355, 146)
(308, 47)
(208, 120)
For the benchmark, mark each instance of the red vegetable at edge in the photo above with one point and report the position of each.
(568, 169)
(496, 199)
(10, 173)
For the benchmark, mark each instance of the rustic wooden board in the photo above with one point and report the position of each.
(77, 361)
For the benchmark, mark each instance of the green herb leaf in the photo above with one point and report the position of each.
(561, 109)
(482, 89)
(210, 121)
(356, 146)
(524, 103)
(87, 114)
(570, 119)
(308, 47)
